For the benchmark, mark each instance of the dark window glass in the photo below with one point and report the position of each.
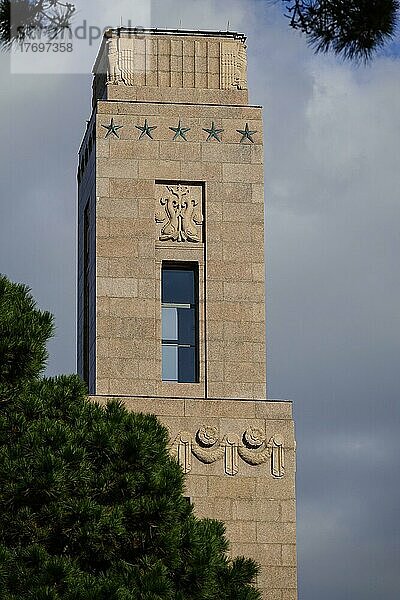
(86, 311)
(186, 364)
(178, 286)
(187, 326)
(179, 324)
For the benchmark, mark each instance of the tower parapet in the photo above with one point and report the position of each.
(171, 66)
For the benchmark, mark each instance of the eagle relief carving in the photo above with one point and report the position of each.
(180, 215)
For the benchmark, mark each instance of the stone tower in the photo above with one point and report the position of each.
(171, 298)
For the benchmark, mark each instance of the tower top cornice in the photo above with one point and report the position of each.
(150, 31)
(178, 65)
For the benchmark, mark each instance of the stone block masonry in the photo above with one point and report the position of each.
(171, 176)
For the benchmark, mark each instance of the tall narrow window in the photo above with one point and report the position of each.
(179, 323)
(86, 268)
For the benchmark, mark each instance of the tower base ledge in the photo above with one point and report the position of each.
(239, 460)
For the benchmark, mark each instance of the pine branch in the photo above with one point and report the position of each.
(353, 30)
(25, 19)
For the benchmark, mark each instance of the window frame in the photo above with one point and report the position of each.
(191, 266)
(86, 291)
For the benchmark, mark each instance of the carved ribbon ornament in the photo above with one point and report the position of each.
(206, 446)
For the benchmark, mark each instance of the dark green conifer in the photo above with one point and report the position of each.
(91, 504)
(353, 30)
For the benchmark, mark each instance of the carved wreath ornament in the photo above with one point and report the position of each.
(206, 446)
(181, 215)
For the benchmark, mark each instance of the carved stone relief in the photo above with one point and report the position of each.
(114, 75)
(179, 211)
(233, 65)
(122, 65)
(126, 57)
(253, 448)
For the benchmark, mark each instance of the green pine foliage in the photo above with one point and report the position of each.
(353, 30)
(91, 503)
(24, 331)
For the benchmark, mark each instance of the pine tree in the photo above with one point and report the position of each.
(354, 30)
(91, 503)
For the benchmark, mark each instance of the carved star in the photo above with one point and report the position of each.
(246, 134)
(213, 132)
(112, 128)
(146, 130)
(180, 131)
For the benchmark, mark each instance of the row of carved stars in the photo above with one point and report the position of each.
(214, 133)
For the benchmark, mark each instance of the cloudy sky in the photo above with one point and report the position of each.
(333, 246)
